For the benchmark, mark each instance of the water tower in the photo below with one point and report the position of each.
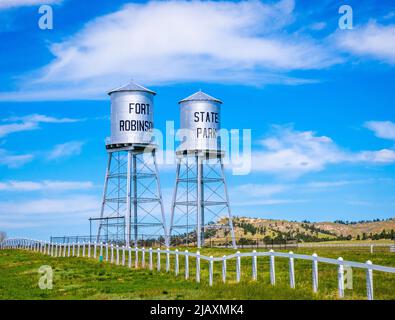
(200, 203)
(132, 206)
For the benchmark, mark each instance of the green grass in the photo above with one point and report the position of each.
(82, 278)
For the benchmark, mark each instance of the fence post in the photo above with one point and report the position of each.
(73, 252)
(158, 261)
(211, 266)
(78, 249)
(238, 266)
(143, 257)
(107, 251)
(101, 252)
(136, 257)
(167, 260)
(340, 277)
(371, 248)
(68, 249)
(83, 249)
(129, 257)
(94, 250)
(186, 265)
(369, 281)
(315, 273)
(254, 265)
(123, 255)
(198, 266)
(117, 249)
(224, 269)
(176, 263)
(272, 268)
(89, 249)
(291, 270)
(64, 250)
(112, 253)
(150, 259)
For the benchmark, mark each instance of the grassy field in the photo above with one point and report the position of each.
(82, 278)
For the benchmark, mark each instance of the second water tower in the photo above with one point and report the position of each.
(200, 206)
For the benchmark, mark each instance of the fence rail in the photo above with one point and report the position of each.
(117, 254)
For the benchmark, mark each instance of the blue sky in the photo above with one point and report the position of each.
(319, 102)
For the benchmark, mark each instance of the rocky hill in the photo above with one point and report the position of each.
(269, 229)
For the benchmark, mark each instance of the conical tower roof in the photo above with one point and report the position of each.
(131, 86)
(200, 96)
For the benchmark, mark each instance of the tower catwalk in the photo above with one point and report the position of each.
(132, 205)
(200, 200)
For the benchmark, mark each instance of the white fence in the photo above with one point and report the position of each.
(117, 255)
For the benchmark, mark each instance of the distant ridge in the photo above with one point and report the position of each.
(306, 231)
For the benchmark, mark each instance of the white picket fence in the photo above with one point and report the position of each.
(116, 254)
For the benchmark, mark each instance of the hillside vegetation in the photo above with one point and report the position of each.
(306, 231)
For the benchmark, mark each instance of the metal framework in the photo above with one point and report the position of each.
(200, 198)
(132, 204)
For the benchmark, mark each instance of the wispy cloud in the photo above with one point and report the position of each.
(14, 160)
(67, 149)
(7, 4)
(166, 42)
(372, 40)
(72, 209)
(255, 194)
(291, 153)
(29, 122)
(382, 129)
(45, 185)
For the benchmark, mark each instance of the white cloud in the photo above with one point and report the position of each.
(66, 150)
(7, 4)
(372, 40)
(170, 42)
(318, 26)
(291, 153)
(46, 185)
(29, 122)
(41, 118)
(6, 129)
(337, 183)
(14, 161)
(254, 194)
(382, 129)
(69, 205)
(73, 209)
(258, 190)
(384, 156)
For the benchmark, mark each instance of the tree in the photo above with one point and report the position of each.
(3, 236)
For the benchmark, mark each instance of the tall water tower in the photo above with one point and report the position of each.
(200, 200)
(132, 206)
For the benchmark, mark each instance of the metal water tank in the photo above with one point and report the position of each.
(132, 114)
(200, 122)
